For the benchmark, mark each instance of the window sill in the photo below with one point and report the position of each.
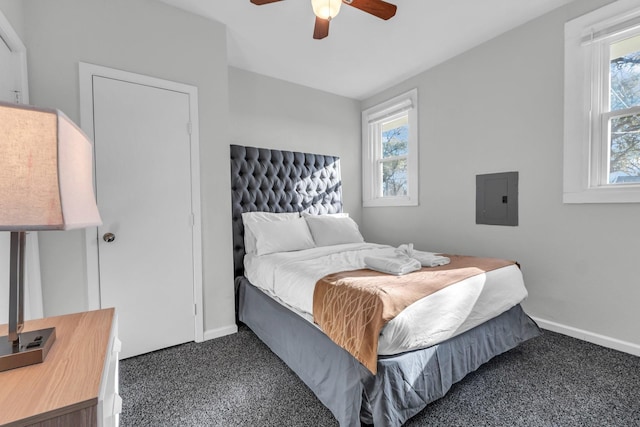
(627, 194)
(390, 201)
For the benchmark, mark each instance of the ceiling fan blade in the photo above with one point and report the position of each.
(261, 2)
(379, 8)
(321, 30)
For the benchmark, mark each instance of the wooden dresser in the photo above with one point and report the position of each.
(77, 384)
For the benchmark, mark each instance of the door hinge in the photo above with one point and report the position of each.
(192, 219)
(195, 309)
(17, 96)
(189, 128)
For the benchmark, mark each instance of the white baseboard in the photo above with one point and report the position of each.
(220, 332)
(591, 337)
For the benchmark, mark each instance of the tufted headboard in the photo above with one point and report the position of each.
(267, 180)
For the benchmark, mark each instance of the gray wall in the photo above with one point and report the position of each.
(271, 113)
(497, 108)
(146, 37)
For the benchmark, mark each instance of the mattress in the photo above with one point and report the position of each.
(290, 278)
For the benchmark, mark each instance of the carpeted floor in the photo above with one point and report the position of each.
(552, 380)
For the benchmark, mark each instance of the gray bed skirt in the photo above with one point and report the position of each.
(404, 385)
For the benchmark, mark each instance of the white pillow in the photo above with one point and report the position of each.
(281, 236)
(330, 230)
(248, 217)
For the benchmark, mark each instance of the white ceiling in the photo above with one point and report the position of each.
(363, 54)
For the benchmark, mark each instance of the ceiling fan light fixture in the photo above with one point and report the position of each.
(326, 9)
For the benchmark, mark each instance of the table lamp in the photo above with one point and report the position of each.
(46, 183)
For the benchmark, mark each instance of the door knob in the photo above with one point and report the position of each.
(109, 237)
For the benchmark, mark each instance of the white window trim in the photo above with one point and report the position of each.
(406, 102)
(584, 154)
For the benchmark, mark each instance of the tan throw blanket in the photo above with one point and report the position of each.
(351, 307)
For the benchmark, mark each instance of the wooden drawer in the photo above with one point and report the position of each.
(76, 385)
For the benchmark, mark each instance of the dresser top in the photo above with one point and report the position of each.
(69, 378)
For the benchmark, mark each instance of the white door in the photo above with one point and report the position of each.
(143, 190)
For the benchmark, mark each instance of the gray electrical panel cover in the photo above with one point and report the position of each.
(497, 198)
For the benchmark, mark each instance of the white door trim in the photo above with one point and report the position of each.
(87, 72)
(11, 38)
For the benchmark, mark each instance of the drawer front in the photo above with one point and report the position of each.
(110, 402)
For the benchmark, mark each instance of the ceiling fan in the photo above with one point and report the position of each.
(326, 10)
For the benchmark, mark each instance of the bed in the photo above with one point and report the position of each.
(406, 379)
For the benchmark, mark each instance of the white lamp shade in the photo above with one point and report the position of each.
(46, 180)
(326, 9)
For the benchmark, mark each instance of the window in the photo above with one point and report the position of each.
(390, 152)
(602, 105)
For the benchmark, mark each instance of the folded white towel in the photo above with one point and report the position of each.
(392, 265)
(405, 250)
(426, 259)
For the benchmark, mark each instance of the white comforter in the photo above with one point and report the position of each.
(290, 278)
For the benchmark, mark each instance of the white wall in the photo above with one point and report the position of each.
(146, 37)
(270, 113)
(12, 10)
(497, 108)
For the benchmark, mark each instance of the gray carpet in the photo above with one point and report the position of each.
(552, 380)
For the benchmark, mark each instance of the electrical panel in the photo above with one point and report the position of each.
(497, 198)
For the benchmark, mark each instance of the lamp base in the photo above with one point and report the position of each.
(33, 348)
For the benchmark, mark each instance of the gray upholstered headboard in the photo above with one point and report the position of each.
(280, 181)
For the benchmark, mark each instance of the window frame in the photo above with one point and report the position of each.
(372, 118)
(586, 105)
